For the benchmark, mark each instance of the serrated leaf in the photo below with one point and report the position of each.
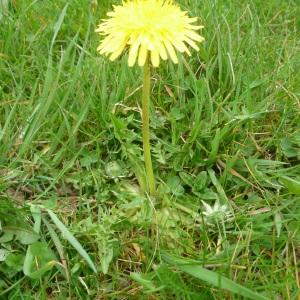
(200, 181)
(106, 259)
(87, 160)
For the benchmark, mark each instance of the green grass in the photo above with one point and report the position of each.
(224, 127)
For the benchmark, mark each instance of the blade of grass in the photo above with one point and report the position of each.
(71, 239)
(59, 247)
(212, 278)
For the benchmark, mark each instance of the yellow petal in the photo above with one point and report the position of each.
(191, 20)
(171, 51)
(113, 44)
(158, 26)
(155, 58)
(193, 27)
(118, 51)
(104, 43)
(194, 36)
(191, 43)
(142, 55)
(133, 52)
(115, 54)
(100, 47)
(162, 51)
(179, 45)
(150, 44)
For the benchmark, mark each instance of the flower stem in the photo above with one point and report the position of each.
(146, 133)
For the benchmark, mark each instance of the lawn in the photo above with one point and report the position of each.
(75, 220)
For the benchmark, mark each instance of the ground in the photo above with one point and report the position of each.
(75, 222)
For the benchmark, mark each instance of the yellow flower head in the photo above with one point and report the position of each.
(155, 26)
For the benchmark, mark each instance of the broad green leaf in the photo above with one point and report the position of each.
(15, 261)
(27, 237)
(39, 273)
(6, 237)
(39, 259)
(212, 278)
(291, 184)
(24, 236)
(28, 261)
(42, 252)
(71, 239)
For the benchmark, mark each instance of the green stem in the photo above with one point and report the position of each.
(146, 132)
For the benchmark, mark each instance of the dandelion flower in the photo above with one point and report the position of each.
(148, 27)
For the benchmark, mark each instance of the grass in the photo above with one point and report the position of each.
(224, 127)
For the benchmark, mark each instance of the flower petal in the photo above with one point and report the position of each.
(162, 50)
(133, 52)
(191, 43)
(158, 26)
(142, 55)
(155, 58)
(171, 51)
(118, 51)
(194, 36)
(180, 46)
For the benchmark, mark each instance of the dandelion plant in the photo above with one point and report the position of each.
(151, 30)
